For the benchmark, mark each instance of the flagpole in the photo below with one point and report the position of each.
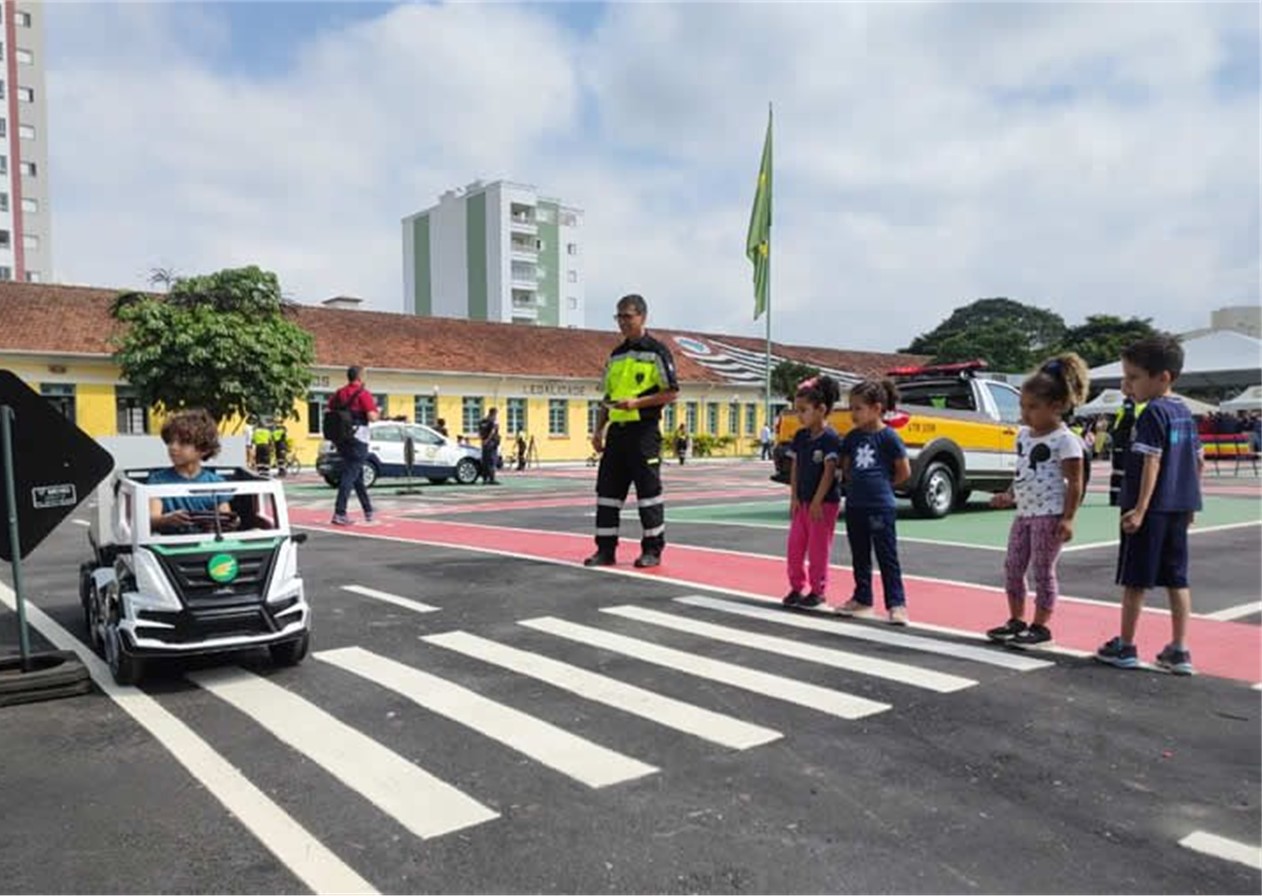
(767, 378)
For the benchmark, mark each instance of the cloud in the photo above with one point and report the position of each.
(1083, 157)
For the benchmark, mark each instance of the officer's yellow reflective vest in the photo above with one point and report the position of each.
(634, 371)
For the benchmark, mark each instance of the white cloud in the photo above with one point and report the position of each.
(1077, 156)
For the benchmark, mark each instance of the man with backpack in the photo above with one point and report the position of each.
(350, 410)
(489, 433)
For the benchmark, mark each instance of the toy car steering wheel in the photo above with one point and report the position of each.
(204, 520)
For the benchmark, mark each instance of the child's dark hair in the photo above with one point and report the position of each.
(820, 389)
(1156, 355)
(882, 392)
(194, 427)
(1062, 380)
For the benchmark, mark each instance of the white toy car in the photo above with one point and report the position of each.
(224, 581)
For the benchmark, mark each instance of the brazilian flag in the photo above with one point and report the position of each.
(758, 242)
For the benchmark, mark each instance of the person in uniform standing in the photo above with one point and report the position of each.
(639, 380)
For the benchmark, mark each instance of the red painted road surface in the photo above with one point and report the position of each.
(1226, 649)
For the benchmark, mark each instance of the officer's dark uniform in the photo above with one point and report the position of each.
(1123, 427)
(633, 444)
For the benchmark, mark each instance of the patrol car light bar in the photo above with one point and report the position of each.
(939, 369)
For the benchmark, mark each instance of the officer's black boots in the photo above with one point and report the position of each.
(601, 558)
(646, 560)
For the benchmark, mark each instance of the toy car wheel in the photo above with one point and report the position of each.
(935, 496)
(126, 669)
(92, 619)
(467, 471)
(290, 653)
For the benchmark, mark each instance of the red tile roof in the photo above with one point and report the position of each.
(55, 319)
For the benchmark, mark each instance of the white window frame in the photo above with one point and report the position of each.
(30, 205)
(26, 131)
(24, 56)
(472, 410)
(558, 417)
(26, 94)
(30, 242)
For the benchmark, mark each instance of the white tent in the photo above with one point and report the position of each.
(1220, 358)
(1248, 400)
(1110, 400)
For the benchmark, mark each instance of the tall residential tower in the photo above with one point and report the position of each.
(497, 252)
(26, 250)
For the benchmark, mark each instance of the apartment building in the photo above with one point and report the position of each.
(495, 251)
(26, 250)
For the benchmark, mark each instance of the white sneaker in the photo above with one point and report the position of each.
(898, 616)
(852, 608)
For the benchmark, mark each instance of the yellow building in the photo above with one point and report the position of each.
(545, 381)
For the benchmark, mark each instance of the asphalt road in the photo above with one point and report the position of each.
(938, 773)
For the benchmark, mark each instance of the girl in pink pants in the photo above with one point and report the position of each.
(814, 493)
(1046, 492)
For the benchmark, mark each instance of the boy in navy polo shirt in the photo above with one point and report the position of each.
(1161, 492)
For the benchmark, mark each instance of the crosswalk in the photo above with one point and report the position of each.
(489, 685)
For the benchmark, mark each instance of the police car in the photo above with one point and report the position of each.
(435, 456)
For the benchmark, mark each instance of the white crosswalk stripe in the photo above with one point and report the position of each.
(822, 623)
(846, 706)
(593, 765)
(827, 656)
(695, 720)
(386, 597)
(420, 802)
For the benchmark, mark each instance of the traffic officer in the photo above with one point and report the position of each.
(639, 380)
(1120, 437)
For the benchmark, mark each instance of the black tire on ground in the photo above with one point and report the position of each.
(49, 670)
(331, 481)
(467, 471)
(437, 480)
(961, 500)
(370, 474)
(126, 668)
(935, 495)
(290, 653)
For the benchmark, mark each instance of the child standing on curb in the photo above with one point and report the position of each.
(814, 497)
(873, 462)
(1161, 491)
(1046, 491)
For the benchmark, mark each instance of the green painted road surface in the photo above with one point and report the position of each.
(975, 526)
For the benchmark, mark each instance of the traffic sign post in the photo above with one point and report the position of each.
(11, 511)
(409, 459)
(50, 466)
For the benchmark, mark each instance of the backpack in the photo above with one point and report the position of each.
(339, 424)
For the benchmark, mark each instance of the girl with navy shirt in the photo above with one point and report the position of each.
(814, 497)
(873, 462)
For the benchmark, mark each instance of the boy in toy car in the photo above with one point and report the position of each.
(191, 438)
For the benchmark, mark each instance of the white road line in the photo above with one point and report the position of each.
(1257, 687)
(1237, 612)
(812, 696)
(81, 522)
(293, 845)
(1194, 530)
(590, 763)
(1222, 848)
(820, 623)
(695, 720)
(406, 603)
(422, 803)
(827, 656)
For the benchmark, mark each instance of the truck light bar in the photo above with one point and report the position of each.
(939, 369)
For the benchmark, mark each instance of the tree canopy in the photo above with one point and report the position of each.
(786, 375)
(1009, 335)
(1102, 337)
(223, 341)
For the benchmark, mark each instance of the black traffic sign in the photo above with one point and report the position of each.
(55, 465)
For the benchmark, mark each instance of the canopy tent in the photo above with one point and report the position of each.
(1219, 359)
(1248, 400)
(1110, 400)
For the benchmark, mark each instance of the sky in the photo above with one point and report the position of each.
(1083, 157)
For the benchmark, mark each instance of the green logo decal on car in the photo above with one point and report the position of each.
(222, 568)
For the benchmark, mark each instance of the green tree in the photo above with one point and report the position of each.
(786, 375)
(1007, 334)
(224, 342)
(1101, 338)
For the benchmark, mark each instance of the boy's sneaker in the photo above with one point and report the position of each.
(898, 615)
(810, 600)
(853, 608)
(341, 519)
(1177, 662)
(1033, 636)
(1007, 631)
(792, 599)
(1115, 653)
